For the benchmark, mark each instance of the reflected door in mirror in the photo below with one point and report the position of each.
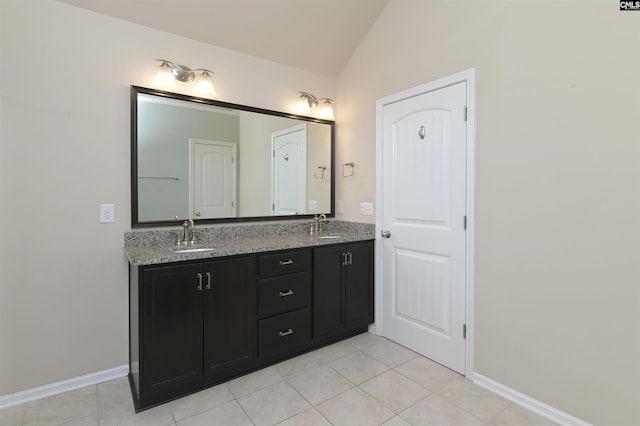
(212, 179)
(289, 171)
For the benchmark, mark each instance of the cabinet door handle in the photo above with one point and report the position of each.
(208, 286)
(285, 333)
(286, 262)
(349, 258)
(199, 286)
(286, 293)
(344, 259)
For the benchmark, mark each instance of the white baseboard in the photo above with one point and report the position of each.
(63, 386)
(527, 402)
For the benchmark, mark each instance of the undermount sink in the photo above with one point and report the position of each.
(192, 249)
(328, 237)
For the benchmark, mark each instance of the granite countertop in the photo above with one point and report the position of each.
(154, 247)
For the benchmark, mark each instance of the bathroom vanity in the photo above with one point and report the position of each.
(255, 295)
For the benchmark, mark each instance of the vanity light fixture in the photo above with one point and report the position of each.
(307, 101)
(169, 72)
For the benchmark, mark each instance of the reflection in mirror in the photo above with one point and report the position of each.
(218, 162)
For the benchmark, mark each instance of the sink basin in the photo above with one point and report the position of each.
(328, 237)
(192, 250)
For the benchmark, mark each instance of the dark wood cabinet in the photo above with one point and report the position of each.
(229, 316)
(284, 303)
(195, 326)
(171, 351)
(197, 323)
(342, 290)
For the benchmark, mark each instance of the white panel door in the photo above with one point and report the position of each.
(423, 210)
(289, 171)
(212, 179)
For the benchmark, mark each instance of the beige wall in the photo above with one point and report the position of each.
(558, 178)
(557, 183)
(64, 149)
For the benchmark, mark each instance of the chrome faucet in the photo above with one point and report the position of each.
(316, 226)
(321, 221)
(188, 235)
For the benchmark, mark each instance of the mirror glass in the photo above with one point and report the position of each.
(219, 162)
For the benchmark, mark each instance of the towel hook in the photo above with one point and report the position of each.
(421, 132)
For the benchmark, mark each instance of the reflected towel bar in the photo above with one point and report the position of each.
(158, 177)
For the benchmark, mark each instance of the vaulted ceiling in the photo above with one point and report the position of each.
(315, 35)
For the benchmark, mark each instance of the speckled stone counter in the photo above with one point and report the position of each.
(153, 247)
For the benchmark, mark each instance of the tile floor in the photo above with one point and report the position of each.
(365, 380)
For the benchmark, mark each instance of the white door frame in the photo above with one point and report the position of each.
(467, 76)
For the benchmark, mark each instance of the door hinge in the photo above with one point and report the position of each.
(464, 223)
(464, 331)
(232, 204)
(273, 153)
(465, 113)
(273, 207)
(233, 160)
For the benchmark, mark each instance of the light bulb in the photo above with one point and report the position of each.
(205, 84)
(165, 76)
(327, 110)
(303, 105)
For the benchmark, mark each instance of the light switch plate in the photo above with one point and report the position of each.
(366, 209)
(339, 207)
(107, 213)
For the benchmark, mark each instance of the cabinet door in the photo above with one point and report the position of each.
(328, 291)
(229, 315)
(359, 284)
(171, 354)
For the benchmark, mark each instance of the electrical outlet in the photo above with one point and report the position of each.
(339, 207)
(313, 205)
(366, 209)
(107, 213)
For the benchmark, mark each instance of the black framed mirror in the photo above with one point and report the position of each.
(218, 162)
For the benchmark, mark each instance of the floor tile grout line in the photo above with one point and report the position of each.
(282, 379)
(430, 390)
(24, 415)
(502, 411)
(75, 419)
(464, 409)
(243, 410)
(390, 409)
(414, 404)
(358, 384)
(324, 400)
(98, 403)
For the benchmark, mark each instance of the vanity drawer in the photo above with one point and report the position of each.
(283, 293)
(284, 332)
(284, 262)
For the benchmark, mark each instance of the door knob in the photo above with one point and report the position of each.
(385, 234)
(197, 213)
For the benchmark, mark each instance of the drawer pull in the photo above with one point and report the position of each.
(199, 286)
(286, 262)
(285, 333)
(286, 293)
